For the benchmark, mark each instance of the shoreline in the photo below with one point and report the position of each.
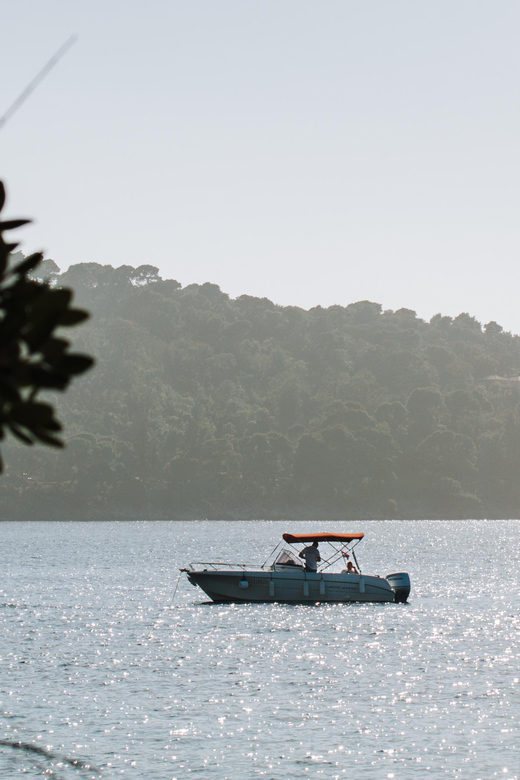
(293, 514)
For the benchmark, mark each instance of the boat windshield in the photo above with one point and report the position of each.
(286, 558)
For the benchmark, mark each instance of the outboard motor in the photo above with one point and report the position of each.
(400, 584)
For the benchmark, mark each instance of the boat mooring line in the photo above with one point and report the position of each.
(176, 585)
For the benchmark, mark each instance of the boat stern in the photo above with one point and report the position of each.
(400, 584)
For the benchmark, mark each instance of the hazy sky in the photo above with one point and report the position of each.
(315, 152)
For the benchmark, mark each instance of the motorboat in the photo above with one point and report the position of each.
(285, 578)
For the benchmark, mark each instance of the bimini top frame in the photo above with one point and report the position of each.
(340, 543)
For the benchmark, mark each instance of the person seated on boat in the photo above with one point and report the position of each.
(312, 557)
(351, 569)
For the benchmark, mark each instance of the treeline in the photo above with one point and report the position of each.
(206, 406)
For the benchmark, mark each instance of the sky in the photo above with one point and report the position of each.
(315, 152)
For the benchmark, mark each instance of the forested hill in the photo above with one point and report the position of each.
(206, 406)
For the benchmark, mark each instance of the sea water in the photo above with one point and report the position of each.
(100, 664)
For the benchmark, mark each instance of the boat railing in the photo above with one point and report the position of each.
(195, 565)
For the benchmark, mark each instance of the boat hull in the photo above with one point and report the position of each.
(293, 587)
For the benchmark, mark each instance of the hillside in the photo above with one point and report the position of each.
(206, 406)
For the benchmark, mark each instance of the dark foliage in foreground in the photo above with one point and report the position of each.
(32, 357)
(203, 406)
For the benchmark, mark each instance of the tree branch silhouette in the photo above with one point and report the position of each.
(32, 357)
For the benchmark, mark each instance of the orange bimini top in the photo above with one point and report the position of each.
(321, 537)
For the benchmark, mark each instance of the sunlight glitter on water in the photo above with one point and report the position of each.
(99, 663)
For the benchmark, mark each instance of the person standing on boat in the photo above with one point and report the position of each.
(312, 557)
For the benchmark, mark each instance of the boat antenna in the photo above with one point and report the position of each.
(31, 86)
(356, 560)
